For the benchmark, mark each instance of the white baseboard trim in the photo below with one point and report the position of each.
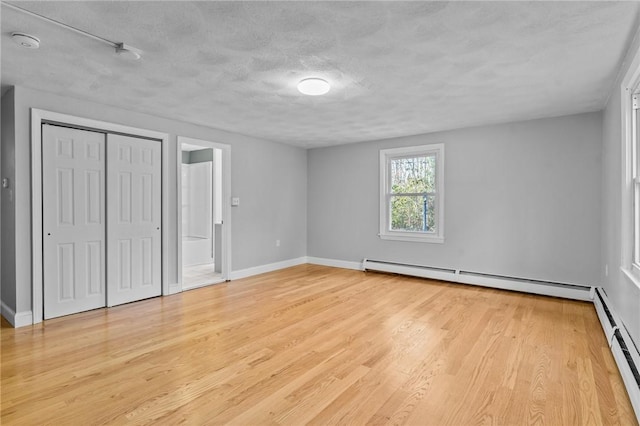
(270, 267)
(19, 319)
(345, 264)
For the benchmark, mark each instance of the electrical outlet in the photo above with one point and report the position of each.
(235, 201)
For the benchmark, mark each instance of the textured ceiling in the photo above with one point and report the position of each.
(396, 68)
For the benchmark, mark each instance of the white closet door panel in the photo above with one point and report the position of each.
(73, 167)
(134, 218)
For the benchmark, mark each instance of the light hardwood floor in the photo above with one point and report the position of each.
(318, 345)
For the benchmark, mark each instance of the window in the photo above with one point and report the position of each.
(630, 206)
(412, 193)
(631, 178)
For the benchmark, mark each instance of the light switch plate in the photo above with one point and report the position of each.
(235, 201)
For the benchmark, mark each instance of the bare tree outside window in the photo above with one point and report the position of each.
(413, 188)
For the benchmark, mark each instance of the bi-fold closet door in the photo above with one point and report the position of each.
(101, 219)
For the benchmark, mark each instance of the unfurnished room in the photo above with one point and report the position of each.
(320, 212)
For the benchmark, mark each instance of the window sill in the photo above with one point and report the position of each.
(632, 274)
(413, 238)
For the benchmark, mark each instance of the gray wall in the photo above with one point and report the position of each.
(521, 199)
(623, 294)
(270, 178)
(7, 208)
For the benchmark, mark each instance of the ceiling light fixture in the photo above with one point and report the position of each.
(26, 40)
(122, 49)
(313, 86)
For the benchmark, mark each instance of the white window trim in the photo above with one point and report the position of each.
(385, 232)
(630, 87)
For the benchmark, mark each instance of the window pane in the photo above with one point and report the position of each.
(431, 213)
(411, 175)
(413, 213)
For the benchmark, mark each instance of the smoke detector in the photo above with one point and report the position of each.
(26, 40)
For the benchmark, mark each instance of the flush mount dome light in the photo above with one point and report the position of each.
(25, 40)
(313, 86)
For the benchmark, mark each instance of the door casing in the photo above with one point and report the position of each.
(38, 116)
(226, 203)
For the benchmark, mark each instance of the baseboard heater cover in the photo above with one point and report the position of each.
(622, 347)
(546, 288)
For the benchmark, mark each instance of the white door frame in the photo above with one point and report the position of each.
(226, 207)
(37, 117)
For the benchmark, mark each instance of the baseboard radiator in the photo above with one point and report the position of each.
(546, 288)
(624, 351)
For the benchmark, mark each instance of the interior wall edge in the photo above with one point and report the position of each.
(7, 201)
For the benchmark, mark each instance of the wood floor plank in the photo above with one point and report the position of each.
(317, 345)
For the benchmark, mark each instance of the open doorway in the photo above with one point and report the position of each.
(202, 224)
